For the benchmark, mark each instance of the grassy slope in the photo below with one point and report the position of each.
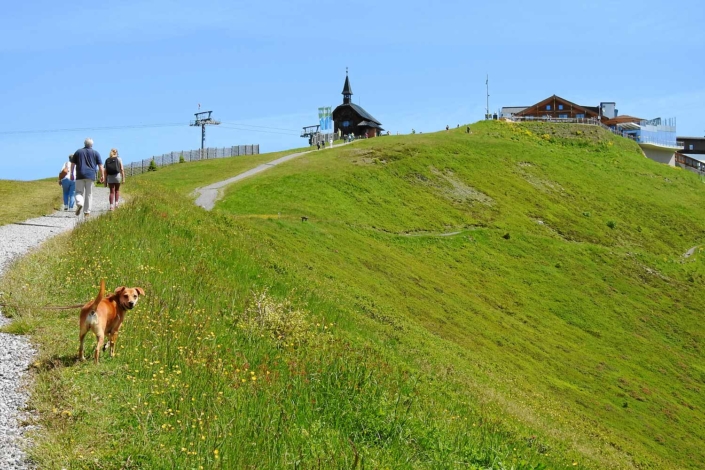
(22, 200)
(568, 341)
(574, 319)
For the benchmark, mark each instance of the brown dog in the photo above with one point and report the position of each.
(104, 316)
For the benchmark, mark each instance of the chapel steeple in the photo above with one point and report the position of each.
(347, 91)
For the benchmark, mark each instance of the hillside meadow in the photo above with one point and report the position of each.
(22, 200)
(516, 297)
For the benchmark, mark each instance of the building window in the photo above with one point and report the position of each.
(346, 123)
(563, 116)
(690, 147)
(548, 107)
(580, 116)
(560, 107)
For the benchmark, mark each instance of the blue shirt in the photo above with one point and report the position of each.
(86, 161)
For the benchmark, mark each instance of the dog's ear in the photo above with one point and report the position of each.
(119, 289)
(140, 291)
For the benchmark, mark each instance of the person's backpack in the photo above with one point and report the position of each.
(112, 167)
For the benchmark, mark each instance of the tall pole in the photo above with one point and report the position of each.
(203, 136)
(487, 108)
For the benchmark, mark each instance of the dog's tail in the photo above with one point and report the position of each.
(101, 295)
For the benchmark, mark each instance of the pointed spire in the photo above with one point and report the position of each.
(347, 90)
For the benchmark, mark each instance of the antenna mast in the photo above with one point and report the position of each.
(487, 108)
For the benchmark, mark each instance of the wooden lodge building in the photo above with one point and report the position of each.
(553, 107)
(351, 118)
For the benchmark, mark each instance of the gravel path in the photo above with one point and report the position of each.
(207, 196)
(16, 352)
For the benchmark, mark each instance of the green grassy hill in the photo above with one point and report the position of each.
(22, 200)
(512, 298)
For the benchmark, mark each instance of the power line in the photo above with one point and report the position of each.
(82, 129)
(224, 126)
(228, 125)
(261, 127)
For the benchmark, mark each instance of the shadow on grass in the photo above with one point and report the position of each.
(56, 361)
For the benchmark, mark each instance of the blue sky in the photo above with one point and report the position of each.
(413, 64)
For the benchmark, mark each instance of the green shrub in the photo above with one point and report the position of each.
(152, 166)
(611, 224)
(284, 324)
(181, 158)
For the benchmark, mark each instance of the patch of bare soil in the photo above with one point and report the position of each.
(542, 184)
(449, 186)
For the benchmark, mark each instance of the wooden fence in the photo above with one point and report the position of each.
(136, 168)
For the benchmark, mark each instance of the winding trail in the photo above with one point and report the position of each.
(207, 196)
(16, 352)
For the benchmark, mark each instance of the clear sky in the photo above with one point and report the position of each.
(413, 64)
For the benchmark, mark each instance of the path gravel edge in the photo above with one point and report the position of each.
(17, 352)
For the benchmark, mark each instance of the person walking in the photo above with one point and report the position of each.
(68, 185)
(114, 177)
(86, 162)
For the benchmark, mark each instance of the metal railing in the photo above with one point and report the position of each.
(643, 139)
(137, 168)
(588, 121)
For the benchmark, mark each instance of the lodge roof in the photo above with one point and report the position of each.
(369, 124)
(535, 107)
(621, 120)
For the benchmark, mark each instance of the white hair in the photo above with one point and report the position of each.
(88, 142)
